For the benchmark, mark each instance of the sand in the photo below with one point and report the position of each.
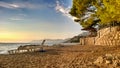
(76, 56)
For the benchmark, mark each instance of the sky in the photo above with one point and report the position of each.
(27, 20)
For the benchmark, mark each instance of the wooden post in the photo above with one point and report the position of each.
(42, 50)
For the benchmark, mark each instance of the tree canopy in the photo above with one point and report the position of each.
(90, 13)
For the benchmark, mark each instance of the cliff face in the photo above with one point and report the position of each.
(106, 36)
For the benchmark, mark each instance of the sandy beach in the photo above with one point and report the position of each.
(59, 33)
(61, 57)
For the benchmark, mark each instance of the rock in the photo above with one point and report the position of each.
(116, 63)
(99, 60)
(109, 56)
(108, 61)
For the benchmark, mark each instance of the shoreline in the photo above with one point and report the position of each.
(5, 48)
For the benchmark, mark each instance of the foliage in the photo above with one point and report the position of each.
(110, 13)
(94, 12)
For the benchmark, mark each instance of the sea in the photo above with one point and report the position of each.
(5, 47)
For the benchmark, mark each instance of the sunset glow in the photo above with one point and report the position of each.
(27, 20)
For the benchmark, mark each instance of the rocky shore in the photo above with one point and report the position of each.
(77, 56)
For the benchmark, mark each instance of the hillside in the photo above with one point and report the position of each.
(76, 39)
(48, 41)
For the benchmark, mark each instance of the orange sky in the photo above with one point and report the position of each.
(27, 37)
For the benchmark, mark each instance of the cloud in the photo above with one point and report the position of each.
(25, 5)
(63, 10)
(8, 5)
(20, 5)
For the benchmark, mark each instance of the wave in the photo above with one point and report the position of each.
(4, 48)
(3, 52)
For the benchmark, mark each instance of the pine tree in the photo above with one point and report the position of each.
(84, 11)
(90, 13)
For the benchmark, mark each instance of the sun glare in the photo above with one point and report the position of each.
(12, 37)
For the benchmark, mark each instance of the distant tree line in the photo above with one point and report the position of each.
(92, 14)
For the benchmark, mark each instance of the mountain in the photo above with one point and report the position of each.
(84, 34)
(76, 39)
(48, 41)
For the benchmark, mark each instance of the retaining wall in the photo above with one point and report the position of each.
(106, 36)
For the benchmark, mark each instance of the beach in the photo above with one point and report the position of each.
(77, 56)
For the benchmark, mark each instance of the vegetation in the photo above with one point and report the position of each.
(92, 13)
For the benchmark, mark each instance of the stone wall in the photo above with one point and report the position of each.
(87, 41)
(105, 36)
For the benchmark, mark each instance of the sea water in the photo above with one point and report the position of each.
(4, 47)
